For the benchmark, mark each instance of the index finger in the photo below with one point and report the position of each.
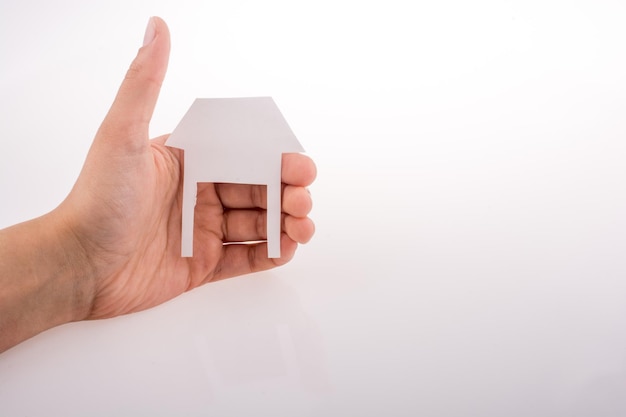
(298, 170)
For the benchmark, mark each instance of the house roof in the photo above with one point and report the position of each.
(253, 125)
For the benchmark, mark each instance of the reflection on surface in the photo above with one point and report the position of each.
(255, 329)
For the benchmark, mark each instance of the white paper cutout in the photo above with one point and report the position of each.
(233, 140)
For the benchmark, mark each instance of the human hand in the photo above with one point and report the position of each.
(124, 212)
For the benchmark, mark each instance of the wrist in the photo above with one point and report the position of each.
(68, 258)
(44, 278)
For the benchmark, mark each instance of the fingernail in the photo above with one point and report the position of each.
(150, 32)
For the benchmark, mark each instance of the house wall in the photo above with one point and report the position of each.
(469, 255)
(235, 167)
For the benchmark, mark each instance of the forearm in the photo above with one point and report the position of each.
(43, 281)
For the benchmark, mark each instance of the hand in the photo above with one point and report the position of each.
(125, 209)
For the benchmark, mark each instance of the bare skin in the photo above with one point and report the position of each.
(113, 246)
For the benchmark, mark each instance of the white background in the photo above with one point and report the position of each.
(470, 207)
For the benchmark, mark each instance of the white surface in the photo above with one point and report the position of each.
(470, 207)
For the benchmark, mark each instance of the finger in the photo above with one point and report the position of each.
(300, 230)
(298, 169)
(244, 225)
(245, 259)
(241, 196)
(296, 201)
(251, 225)
(126, 123)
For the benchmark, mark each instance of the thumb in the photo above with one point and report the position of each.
(127, 121)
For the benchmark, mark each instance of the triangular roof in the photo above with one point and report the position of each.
(250, 124)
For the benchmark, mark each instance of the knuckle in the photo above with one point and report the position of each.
(133, 71)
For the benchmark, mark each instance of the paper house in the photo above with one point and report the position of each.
(233, 140)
